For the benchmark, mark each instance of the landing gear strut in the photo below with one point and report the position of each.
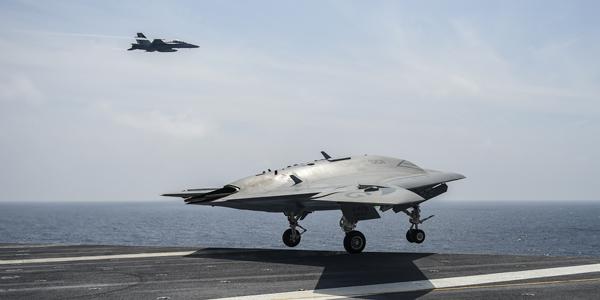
(354, 241)
(291, 237)
(414, 234)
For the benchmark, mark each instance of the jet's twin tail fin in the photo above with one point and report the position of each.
(141, 39)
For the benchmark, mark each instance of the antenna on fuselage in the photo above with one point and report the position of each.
(295, 179)
(325, 155)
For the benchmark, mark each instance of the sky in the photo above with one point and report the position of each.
(504, 92)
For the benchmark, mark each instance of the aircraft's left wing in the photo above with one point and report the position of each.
(191, 193)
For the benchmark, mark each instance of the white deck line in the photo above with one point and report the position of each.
(22, 246)
(410, 286)
(94, 257)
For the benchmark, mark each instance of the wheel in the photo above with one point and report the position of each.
(409, 235)
(290, 241)
(418, 236)
(354, 242)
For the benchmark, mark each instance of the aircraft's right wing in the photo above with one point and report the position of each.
(361, 194)
(372, 195)
(158, 42)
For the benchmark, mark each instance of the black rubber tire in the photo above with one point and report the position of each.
(287, 238)
(409, 234)
(418, 236)
(354, 242)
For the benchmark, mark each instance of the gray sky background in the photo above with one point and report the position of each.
(506, 93)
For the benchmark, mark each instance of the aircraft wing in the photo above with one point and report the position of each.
(357, 194)
(431, 177)
(393, 190)
(191, 193)
(373, 195)
(158, 42)
(373, 189)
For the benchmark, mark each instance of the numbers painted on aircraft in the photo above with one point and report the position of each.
(356, 194)
(377, 161)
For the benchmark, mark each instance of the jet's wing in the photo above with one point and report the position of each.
(297, 194)
(369, 194)
(191, 193)
(431, 177)
(360, 194)
(158, 42)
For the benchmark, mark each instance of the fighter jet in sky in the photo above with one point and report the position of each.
(356, 185)
(159, 45)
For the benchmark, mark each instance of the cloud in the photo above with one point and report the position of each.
(180, 125)
(37, 33)
(19, 89)
(443, 88)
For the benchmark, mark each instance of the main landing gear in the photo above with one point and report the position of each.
(414, 234)
(354, 241)
(291, 237)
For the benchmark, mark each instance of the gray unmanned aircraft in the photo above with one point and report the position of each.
(355, 185)
(159, 45)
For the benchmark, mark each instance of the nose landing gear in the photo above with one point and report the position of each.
(414, 234)
(291, 237)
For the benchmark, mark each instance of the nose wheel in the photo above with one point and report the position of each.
(291, 237)
(415, 235)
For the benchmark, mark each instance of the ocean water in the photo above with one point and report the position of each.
(568, 229)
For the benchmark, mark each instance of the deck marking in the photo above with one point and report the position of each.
(472, 287)
(19, 246)
(148, 283)
(93, 257)
(432, 284)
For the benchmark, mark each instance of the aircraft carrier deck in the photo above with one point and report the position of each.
(162, 273)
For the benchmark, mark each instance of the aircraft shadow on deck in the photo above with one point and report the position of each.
(339, 269)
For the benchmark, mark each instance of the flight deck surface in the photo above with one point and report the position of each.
(126, 272)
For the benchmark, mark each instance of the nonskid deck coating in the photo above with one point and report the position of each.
(204, 273)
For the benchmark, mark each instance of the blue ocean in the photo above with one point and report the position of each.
(537, 228)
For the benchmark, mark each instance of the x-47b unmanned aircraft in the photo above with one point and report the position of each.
(355, 185)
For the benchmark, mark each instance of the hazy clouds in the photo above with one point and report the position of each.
(506, 94)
